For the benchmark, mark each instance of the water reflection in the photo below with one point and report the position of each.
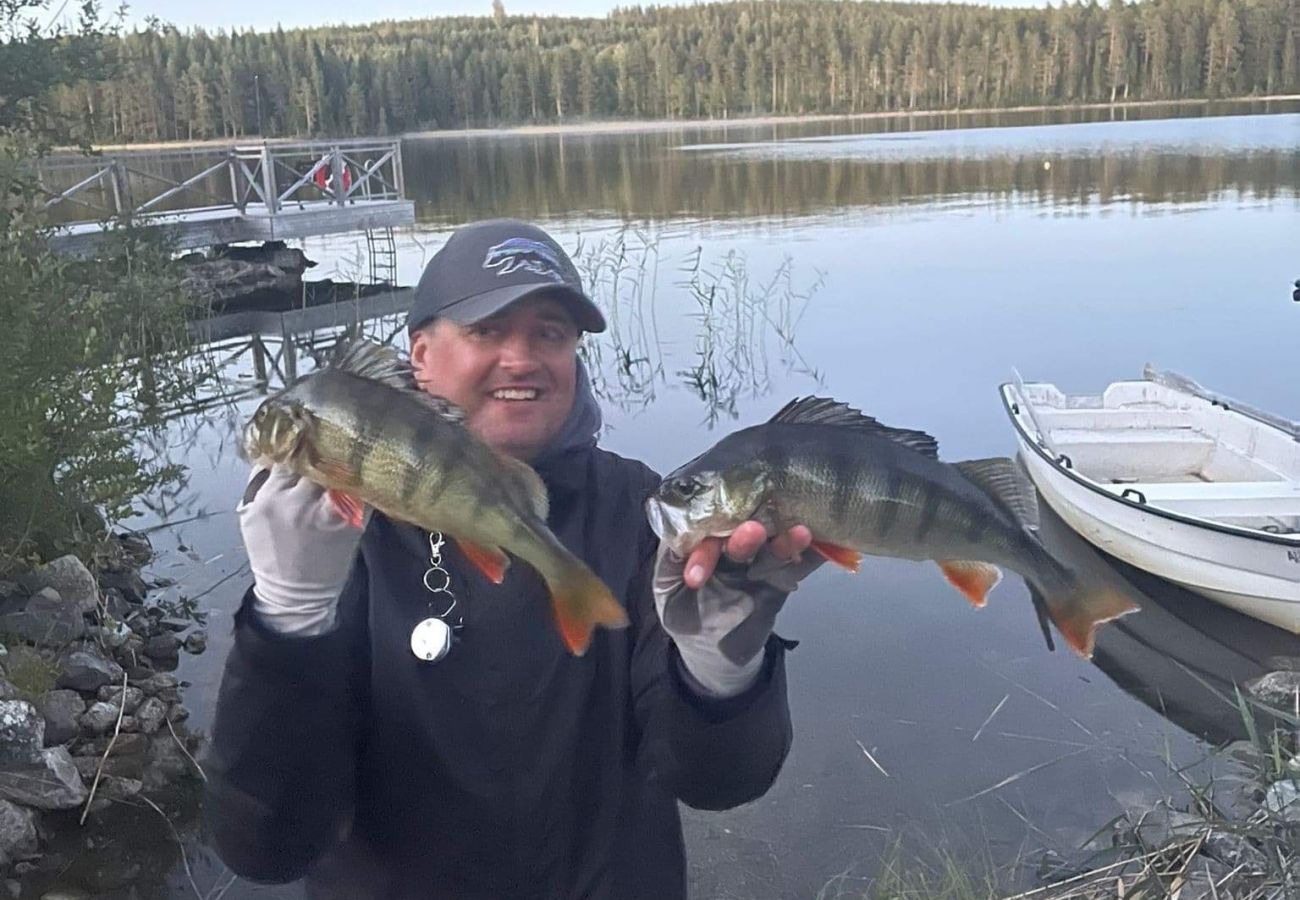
(1182, 655)
(764, 176)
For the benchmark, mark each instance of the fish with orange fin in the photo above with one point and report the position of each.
(866, 488)
(364, 430)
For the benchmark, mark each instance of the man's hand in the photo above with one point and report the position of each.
(742, 546)
(719, 604)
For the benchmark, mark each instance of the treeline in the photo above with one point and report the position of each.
(715, 60)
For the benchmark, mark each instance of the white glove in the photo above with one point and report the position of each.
(299, 548)
(721, 629)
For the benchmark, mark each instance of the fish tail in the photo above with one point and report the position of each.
(1077, 608)
(581, 601)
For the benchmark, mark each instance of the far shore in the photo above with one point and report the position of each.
(616, 126)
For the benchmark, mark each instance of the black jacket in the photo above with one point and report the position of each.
(509, 768)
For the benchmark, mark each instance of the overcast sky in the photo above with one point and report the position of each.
(262, 15)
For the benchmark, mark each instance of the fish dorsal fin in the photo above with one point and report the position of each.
(1006, 484)
(383, 363)
(523, 482)
(824, 411)
(370, 359)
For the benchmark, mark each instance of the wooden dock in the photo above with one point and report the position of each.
(209, 196)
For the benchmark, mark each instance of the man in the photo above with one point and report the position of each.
(507, 767)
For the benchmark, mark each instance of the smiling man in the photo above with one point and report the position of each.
(347, 752)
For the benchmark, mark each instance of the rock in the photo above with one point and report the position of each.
(114, 789)
(130, 724)
(18, 838)
(8, 691)
(151, 715)
(126, 745)
(197, 642)
(153, 683)
(167, 763)
(1157, 827)
(113, 636)
(100, 718)
(112, 875)
(254, 270)
(136, 546)
(128, 583)
(177, 713)
(163, 582)
(46, 619)
(1287, 663)
(10, 592)
(4, 653)
(86, 670)
(130, 766)
(51, 783)
(66, 894)
(22, 732)
(176, 625)
(1280, 799)
(112, 693)
(14, 887)
(115, 604)
(1276, 689)
(69, 577)
(1233, 851)
(163, 647)
(62, 711)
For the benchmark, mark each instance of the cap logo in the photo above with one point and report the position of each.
(531, 256)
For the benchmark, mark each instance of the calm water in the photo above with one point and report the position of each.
(906, 267)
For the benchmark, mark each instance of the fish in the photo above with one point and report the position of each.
(362, 428)
(865, 488)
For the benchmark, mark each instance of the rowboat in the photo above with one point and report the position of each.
(1174, 480)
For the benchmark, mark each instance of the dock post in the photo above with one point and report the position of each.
(232, 163)
(288, 353)
(336, 174)
(268, 181)
(259, 363)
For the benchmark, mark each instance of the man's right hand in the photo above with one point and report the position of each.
(299, 549)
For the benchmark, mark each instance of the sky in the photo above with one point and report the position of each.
(262, 15)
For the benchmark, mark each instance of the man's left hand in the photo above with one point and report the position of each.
(720, 603)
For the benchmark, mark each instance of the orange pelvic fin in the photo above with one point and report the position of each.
(348, 507)
(973, 579)
(844, 557)
(1078, 614)
(491, 561)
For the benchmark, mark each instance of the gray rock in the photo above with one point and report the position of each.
(1280, 799)
(14, 888)
(10, 591)
(4, 653)
(151, 714)
(1157, 827)
(176, 625)
(62, 711)
(116, 605)
(1233, 851)
(168, 764)
(1277, 689)
(8, 691)
(129, 584)
(112, 693)
(86, 670)
(223, 280)
(113, 636)
(130, 724)
(126, 745)
(163, 647)
(177, 712)
(46, 619)
(69, 577)
(152, 684)
(22, 732)
(131, 766)
(197, 642)
(18, 838)
(100, 718)
(51, 783)
(66, 894)
(114, 789)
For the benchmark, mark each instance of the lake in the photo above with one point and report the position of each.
(906, 266)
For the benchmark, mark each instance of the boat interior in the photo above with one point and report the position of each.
(1170, 449)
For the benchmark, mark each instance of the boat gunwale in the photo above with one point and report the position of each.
(1286, 540)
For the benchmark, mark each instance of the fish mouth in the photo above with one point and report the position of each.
(670, 523)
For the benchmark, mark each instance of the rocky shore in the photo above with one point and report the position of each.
(90, 714)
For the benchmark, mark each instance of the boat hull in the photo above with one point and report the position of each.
(1255, 576)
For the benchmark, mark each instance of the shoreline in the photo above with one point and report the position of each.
(632, 126)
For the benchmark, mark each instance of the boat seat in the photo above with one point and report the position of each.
(1220, 500)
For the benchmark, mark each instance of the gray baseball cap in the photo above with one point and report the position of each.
(485, 266)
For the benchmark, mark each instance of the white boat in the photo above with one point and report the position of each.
(1175, 480)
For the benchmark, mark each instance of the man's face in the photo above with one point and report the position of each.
(514, 373)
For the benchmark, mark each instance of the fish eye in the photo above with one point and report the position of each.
(686, 486)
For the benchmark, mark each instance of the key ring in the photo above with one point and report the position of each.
(432, 638)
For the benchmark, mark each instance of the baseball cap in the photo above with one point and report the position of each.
(485, 266)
